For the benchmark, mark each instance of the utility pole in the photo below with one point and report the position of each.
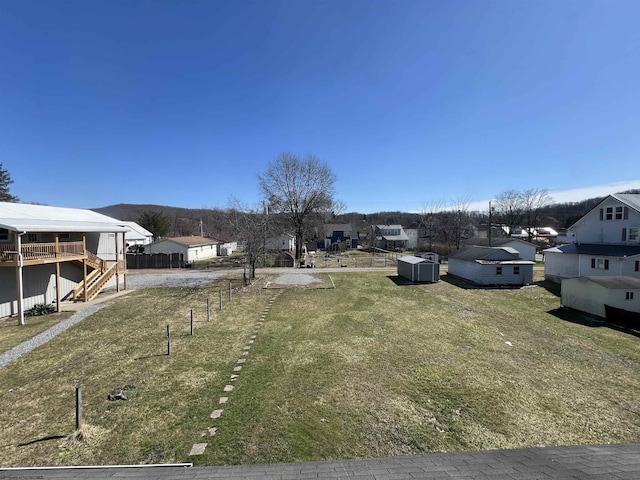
(490, 223)
(201, 229)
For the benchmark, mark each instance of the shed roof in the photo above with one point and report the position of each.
(495, 242)
(414, 260)
(192, 241)
(616, 283)
(475, 253)
(23, 217)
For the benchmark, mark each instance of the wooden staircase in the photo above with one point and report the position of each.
(97, 279)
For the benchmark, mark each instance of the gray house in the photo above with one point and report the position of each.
(602, 296)
(418, 269)
(499, 266)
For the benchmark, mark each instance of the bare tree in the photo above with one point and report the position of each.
(251, 226)
(509, 207)
(534, 200)
(300, 188)
(430, 221)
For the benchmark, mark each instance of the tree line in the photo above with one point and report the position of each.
(298, 196)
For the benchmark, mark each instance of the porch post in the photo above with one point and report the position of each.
(124, 255)
(84, 273)
(58, 307)
(19, 284)
(117, 264)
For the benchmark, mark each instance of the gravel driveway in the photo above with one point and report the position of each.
(137, 279)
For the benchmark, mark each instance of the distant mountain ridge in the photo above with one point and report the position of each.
(186, 221)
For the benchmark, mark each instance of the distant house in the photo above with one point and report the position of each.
(418, 269)
(391, 237)
(500, 266)
(284, 242)
(194, 248)
(605, 297)
(526, 250)
(49, 254)
(339, 237)
(226, 246)
(136, 234)
(605, 242)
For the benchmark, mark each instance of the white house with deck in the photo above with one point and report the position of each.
(606, 242)
(50, 254)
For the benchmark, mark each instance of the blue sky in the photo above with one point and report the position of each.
(184, 103)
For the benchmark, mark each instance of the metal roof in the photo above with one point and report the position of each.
(193, 241)
(395, 238)
(23, 217)
(615, 283)
(495, 241)
(596, 249)
(137, 231)
(414, 260)
(474, 253)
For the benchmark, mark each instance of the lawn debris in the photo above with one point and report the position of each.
(117, 394)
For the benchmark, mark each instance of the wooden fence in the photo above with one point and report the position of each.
(155, 260)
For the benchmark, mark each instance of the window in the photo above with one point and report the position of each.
(516, 270)
(609, 213)
(618, 213)
(629, 296)
(600, 263)
(4, 234)
(498, 270)
(64, 236)
(633, 234)
(32, 237)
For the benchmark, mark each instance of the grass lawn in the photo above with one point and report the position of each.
(12, 334)
(370, 368)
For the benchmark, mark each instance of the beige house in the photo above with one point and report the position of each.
(194, 248)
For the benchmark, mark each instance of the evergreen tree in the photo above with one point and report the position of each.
(5, 181)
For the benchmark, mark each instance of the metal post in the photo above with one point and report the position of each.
(78, 407)
(168, 340)
(220, 292)
(192, 322)
(208, 310)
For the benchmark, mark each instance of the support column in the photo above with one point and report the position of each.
(124, 255)
(84, 273)
(117, 264)
(19, 284)
(58, 295)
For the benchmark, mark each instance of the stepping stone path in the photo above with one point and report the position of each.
(198, 448)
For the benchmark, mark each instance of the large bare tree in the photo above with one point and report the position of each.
(534, 200)
(509, 207)
(300, 188)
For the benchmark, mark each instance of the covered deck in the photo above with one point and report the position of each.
(41, 253)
